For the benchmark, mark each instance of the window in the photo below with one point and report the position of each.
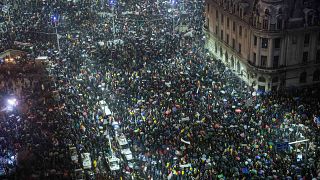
(266, 12)
(221, 35)
(305, 57)
(222, 19)
(303, 77)
(228, 39)
(305, 2)
(216, 48)
(240, 12)
(277, 43)
(238, 67)
(220, 51)
(233, 43)
(239, 48)
(217, 30)
(254, 58)
(245, 32)
(294, 39)
(232, 62)
(208, 8)
(226, 56)
(265, 24)
(279, 24)
(228, 22)
(217, 15)
(316, 75)
(263, 61)
(264, 43)
(318, 56)
(255, 40)
(261, 79)
(275, 61)
(306, 39)
(240, 30)
(234, 26)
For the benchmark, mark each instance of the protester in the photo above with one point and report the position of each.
(185, 114)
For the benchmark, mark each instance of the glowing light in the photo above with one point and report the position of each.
(12, 102)
(112, 2)
(54, 18)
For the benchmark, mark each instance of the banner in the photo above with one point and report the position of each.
(22, 43)
(185, 165)
(187, 142)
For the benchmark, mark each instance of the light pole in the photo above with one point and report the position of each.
(112, 4)
(173, 2)
(102, 4)
(55, 20)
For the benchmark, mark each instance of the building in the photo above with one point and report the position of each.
(270, 44)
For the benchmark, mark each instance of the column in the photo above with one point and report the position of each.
(271, 52)
(258, 62)
(283, 50)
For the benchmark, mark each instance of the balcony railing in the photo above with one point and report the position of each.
(263, 68)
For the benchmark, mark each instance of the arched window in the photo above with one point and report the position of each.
(280, 11)
(303, 77)
(266, 12)
(316, 75)
(262, 79)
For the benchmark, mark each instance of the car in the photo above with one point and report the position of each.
(105, 108)
(121, 140)
(86, 161)
(79, 174)
(114, 163)
(74, 154)
(90, 175)
(127, 154)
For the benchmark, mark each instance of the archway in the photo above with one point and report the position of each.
(262, 79)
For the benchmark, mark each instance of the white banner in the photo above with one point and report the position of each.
(187, 142)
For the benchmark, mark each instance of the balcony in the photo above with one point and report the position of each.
(265, 69)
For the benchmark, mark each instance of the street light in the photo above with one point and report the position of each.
(11, 103)
(55, 20)
(173, 3)
(112, 4)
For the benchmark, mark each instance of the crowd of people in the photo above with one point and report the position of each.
(186, 115)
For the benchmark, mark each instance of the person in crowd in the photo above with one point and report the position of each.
(185, 114)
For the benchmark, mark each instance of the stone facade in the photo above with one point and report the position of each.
(270, 44)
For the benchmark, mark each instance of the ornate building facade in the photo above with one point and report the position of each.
(270, 44)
